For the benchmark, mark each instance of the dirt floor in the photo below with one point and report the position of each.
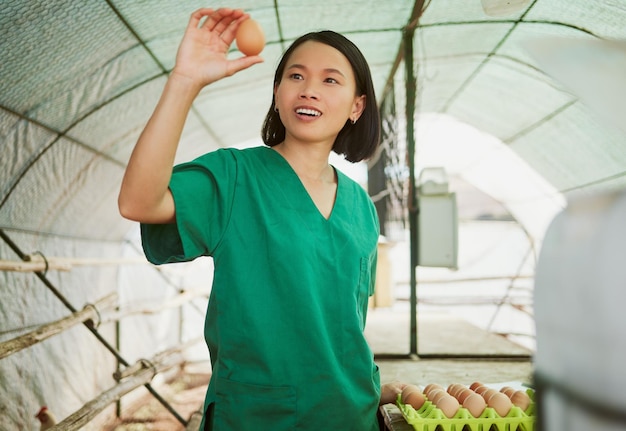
(185, 393)
(453, 351)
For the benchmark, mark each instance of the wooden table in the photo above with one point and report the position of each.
(394, 421)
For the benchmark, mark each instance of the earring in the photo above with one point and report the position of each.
(352, 121)
(275, 108)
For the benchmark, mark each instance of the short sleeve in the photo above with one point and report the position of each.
(203, 193)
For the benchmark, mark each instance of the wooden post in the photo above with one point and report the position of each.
(194, 421)
(175, 301)
(89, 312)
(129, 371)
(160, 362)
(36, 263)
(82, 417)
(145, 372)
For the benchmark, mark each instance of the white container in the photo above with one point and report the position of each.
(580, 316)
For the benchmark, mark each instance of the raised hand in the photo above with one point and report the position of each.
(201, 60)
(202, 54)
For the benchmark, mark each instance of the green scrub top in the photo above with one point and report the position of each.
(287, 309)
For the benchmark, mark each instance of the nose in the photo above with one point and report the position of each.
(309, 91)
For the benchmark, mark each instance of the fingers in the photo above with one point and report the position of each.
(222, 23)
(230, 31)
(242, 63)
(219, 20)
(197, 16)
(216, 29)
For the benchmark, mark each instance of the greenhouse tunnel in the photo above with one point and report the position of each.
(519, 103)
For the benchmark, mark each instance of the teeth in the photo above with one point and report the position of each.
(312, 112)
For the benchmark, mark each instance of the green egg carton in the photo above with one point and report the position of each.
(430, 418)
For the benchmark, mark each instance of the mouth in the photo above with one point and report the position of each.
(308, 112)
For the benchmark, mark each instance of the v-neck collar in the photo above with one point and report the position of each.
(292, 174)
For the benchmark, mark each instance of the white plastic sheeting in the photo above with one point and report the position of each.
(480, 71)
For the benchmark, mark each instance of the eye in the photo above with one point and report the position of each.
(295, 76)
(331, 81)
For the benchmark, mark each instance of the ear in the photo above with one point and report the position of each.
(357, 108)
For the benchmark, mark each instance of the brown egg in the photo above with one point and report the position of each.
(500, 403)
(487, 393)
(453, 388)
(250, 37)
(464, 393)
(429, 387)
(507, 390)
(475, 404)
(415, 399)
(481, 389)
(459, 391)
(448, 405)
(521, 400)
(435, 394)
(407, 390)
(462, 389)
(475, 385)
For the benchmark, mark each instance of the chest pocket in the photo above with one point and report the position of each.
(247, 407)
(365, 287)
(367, 272)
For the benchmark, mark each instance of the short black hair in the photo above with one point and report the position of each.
(355, 142)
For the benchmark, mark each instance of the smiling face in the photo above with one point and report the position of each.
(316, 94)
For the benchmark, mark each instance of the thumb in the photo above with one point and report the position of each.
(242, 63)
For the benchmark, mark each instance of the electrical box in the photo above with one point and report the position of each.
(437, 221)
(438, 231)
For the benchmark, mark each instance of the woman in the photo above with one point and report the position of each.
(293, 240)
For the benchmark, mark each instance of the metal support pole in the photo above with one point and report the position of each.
(411, 88)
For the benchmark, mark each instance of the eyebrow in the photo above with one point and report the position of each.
(327, 70)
